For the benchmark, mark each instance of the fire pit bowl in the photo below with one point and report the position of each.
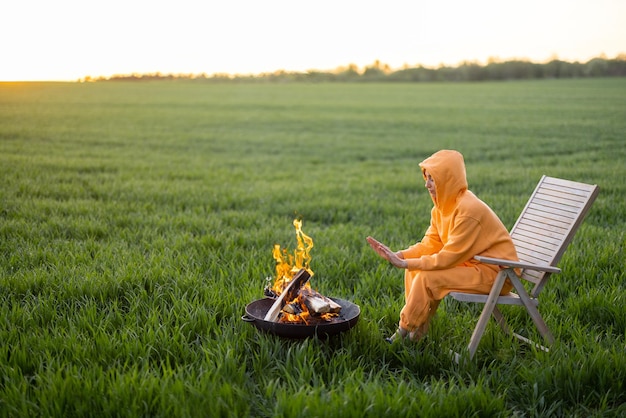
(348, 317)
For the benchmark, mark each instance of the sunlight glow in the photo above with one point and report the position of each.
(70, 39)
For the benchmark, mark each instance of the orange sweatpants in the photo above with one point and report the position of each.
(423, 290)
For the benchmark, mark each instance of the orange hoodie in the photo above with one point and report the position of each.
(461, 224)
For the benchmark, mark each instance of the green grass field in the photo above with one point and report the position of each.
(137, 221)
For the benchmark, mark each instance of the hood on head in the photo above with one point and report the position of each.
(447, 168)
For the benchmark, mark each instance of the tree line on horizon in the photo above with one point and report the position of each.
(378, 72)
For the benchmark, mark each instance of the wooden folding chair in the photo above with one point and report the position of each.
(541, 235)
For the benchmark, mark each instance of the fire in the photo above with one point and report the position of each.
(287, 265)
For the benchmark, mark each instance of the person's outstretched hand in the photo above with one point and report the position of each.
(384, 251)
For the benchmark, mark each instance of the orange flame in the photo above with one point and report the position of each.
(287, 265)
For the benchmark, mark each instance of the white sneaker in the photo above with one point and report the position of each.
(400, 334)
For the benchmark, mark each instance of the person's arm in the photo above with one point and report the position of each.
(458, 249)
(430, 244)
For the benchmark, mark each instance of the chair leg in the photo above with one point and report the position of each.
(532, 310)
(497, 314)
(490, 305)
(505, 327)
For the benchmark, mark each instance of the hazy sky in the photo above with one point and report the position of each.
(70, 39)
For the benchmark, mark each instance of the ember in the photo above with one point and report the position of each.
(308, 306)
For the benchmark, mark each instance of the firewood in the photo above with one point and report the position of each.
(319, 304)
(290, 292)
(334, 306)
(292, 308)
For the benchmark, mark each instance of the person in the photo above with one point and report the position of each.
(461, 226)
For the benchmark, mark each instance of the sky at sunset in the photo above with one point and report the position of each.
(71, 39)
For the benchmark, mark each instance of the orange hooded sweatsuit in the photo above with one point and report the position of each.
(461, 227)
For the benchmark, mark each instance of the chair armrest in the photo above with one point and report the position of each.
(517, 264)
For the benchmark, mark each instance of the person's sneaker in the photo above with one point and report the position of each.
(401, 334)
(398, 335)
(415, 336)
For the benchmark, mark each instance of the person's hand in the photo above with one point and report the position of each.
(381, 249)
(384, 251)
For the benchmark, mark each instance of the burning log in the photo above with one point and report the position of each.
(290, 293)
(318, 304)
(292, 308)
(310, 307)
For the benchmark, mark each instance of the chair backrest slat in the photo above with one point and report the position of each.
(548, 223)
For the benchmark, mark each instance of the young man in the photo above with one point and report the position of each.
(461, 226)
